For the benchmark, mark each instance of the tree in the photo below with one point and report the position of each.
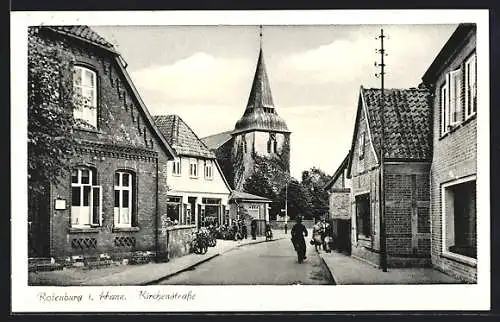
(50, 111)
(297, 201)
(258, 184)
(313, 181)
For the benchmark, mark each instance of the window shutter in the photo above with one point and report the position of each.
(133, 207)
(96, 206)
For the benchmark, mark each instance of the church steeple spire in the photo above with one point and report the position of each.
(260, 111)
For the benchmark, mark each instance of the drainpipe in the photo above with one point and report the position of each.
(157, 237)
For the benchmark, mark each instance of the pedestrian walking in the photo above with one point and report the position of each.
(253, 228)
(298, 233)
(244, 230)
(317, 235)
(286, 228)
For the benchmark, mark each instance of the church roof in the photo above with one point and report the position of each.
(260, 113)
(181, 137)
(215, 141)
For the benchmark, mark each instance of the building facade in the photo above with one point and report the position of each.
(247, 207)
(339, 214)
(452, 78)
(110, 200)
(259, 134)
(407, 156)
(198, 192)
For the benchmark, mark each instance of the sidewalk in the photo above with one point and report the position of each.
(347, 270)
(144, 274)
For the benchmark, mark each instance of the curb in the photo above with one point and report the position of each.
(190, 267)
(332, 275)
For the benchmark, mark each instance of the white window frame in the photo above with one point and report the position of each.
(176, 167)
(470, 62)
(94, 189)
(209, 170)
(455, 100)
(444, 245)
(193, 168)
(117, 211)
(86, 113)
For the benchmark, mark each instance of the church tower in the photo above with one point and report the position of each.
(260, 133)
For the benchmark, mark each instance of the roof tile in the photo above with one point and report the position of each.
(407, 120)
(181, 137)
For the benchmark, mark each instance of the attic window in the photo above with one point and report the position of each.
(361, 147)
(85, 97)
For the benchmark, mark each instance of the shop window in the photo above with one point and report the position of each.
(459, 215)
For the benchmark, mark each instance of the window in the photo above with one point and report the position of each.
(361, 148)
(86, 198)
(459, 215)
(124, 198)
(209, 169)
(451, 100)
(470, 86)
(193, 168)
(272, 145)
(363, 218)
(212, 213)
(244, 144)
(176, 167)
(174, 209)
(85, 91)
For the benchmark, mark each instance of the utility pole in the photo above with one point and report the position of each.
(383, 246)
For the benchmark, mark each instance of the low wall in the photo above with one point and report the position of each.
(280, 225)
(176, 240)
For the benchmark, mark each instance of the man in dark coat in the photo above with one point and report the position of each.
(298, 233)
(253, 229)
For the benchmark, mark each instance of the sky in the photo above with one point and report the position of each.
(204, 75)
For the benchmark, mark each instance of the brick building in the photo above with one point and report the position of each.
(452, 80)
(407, 157)
(339, 214)
(198, 191)
(110, 200)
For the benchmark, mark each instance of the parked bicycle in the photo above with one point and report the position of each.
(199, 244)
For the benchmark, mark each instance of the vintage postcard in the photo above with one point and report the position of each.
(250, 161)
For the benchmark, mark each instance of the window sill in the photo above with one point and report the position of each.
(469, 118)
(125, 229)
(176, 175)
(191, 177)
(458, 125)
(460, 259)
(79, 230)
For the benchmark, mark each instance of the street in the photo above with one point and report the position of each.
(269, 263)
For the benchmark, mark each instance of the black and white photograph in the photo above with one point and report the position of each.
(250, 161)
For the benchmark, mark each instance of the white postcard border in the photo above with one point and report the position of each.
(245, 298)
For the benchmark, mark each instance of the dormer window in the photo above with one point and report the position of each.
(85, 97)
